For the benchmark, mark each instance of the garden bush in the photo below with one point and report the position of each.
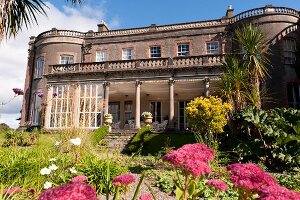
(137, 141)
(20, 138)
(273, 136)
(207, 116)
(99, 134)
(100, 172)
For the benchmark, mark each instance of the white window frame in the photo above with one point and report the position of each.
(289, 48)
(66, 59)
(127, 54)
(213, 47)
(88, 113)
(183, 49)
(39, 67)
(101, 56)
(155, 51)
(36, 110)
(61, 107)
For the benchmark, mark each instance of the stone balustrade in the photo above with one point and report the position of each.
(241, 16)
(263, 11)
(155, 63)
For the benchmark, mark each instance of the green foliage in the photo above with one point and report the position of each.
(166, 182)
(273, 135)
(4, 127)
(99, 134)
(137, 142)
(291, 180)
(15, 138)
(100, 172)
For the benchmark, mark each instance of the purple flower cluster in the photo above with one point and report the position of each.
(277, 192)
(54, 94)
(71, 191)
(218, 184)
(191, 158)
(145, 197)
(249, 176)
(123, 180)
(18, 91)
(40, 94)
(79, 179)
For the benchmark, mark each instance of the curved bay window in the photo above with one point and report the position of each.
(91, 105)
(61, 107)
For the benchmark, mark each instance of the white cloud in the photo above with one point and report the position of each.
(13, 52)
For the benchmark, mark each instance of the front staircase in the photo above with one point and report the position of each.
(117, 140)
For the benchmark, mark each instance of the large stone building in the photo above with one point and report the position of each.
(73, 78)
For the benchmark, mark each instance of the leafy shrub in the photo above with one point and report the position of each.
(14, 138)
(100, 172)
(137, 142)
(273, 136)
(4, 127)
(207, 116)
(99, 134)
(166, 182)
(291, 181)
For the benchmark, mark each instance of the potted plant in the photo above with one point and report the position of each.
(147, 117)
(108, 119)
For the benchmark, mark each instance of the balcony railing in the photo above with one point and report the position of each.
(262, 11)
(155, 63)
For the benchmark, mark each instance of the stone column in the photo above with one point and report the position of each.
(106, 96)
(171, 101)
(138, 84)
(48, 105)
(206, 86)
(76, 104)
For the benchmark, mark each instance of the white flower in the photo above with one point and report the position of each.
(73, 170)
(76, 141)
(52, 159)
(47, 185)
(57, 143)
(53, 167)
(45, 171)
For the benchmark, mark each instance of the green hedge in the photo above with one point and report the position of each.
(99, 134)
(138, 140)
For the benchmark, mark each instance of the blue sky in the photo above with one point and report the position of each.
(136, 13)
(117, 14)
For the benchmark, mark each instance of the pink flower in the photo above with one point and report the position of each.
(71, 191)
(123, 180)
(218, 184)
(276, 192)
(249, 176)
(145, 197)
(199, 152)
(80, 179)
(12, 190)
(196, 168)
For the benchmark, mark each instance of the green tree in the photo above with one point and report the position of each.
(255, 59)
(16, 13)
(207, 116)
(233, 82)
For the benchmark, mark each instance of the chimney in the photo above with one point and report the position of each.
(102, 27)
(229, 12)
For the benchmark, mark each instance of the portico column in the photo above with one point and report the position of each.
(171, 111)
(48, 104)
(106, 96)
(206, 86)
(138, 84)
(76, 104)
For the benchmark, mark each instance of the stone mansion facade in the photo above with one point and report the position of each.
(73, 78)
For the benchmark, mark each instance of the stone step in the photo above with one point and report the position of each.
(117, 140)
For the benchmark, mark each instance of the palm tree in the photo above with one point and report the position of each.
(255, 58)
(234, 82)
(15, 13)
